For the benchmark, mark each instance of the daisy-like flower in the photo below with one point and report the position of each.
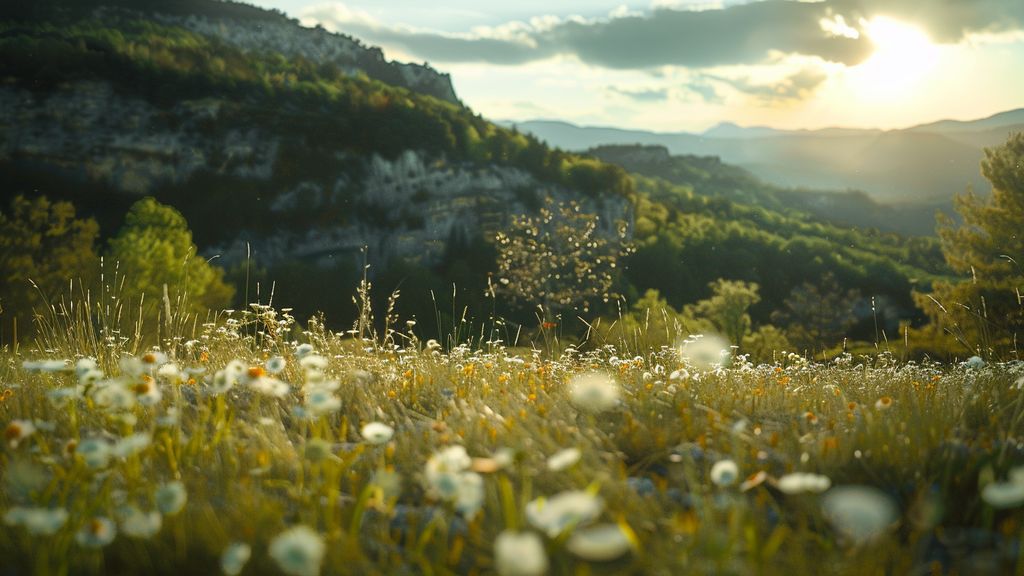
(275, 365)
(234, 558)
(236, 368)
(62, 397)
(800, 482)
(130, 445)
(1003, 494)
(131, 366)
(222, 381)
(469, 498)
(564, 459)
(45, 365)
(520, 554)
(84, 365)
(17, 431)
(96, 533)
(599, 543)
(269, 386)
(860, 513)
(443, 469)
(151, 360)
(725, 473)
(38, 521)
(563, 511)
(171, 498)
(147, 391)
(298, 551)
(883, 403)
(313, 362)
(114, 396)
(138, 524)
(974, 363)
(705, 352)
(377, 433)
(593, 392)
(95, 451)
(171, 373)
(320, 401)
(303, 350)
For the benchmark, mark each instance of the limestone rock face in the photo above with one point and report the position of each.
(409, 206)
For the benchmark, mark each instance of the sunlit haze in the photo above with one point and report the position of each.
(683, 65)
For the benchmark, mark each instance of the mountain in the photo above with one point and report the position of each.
(709, 176)
(296, 155)
(926, 164)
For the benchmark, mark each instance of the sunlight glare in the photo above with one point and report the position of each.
(903, 57)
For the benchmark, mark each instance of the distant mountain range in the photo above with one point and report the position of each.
(926, 164)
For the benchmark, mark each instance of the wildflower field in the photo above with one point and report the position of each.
(253, 447)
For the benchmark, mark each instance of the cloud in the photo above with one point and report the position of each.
(642, 95)
(670, 35)
(793, 88)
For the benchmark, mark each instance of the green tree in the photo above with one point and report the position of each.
(985, 309)
(728, 308)
(559, 258)
(41, 243)
(154, 249)
(817, 315)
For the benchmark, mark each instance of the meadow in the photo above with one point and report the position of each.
(251, 445)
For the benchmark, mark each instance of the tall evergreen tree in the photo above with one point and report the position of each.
(986, 307)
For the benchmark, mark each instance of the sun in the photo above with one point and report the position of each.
(903, 57)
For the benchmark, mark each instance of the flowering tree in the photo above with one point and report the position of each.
(559, 258)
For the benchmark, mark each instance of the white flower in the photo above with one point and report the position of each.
(593, 392)
(114, 396)
(222, 381)
(45, 365)
(170, 498)
(234, 558)
(564, 459)
(130, 366)
(860, 513)
(147, 392)
(96, 533)
(599, 543)
(469, 497)
(377, 433)
(519, 554)
(320, 401)
(799, 482)
(298, 551)
(974, 362)
(443, 468)
(304, 350)
(138, 524)
(90, 378)
(236, 368)
(131, 445)
(153, 359)
(62, 397)
(1003, 494)
(95, 451)
(275, 365)
(562, 511)
(725, 473)
(85, 365)
(171, 373)
(705, 352)
(680, 374)
(269, 386)
(313, 362)
(38, 521)
(17, 431)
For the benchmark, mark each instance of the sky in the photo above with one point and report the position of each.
(687, 65)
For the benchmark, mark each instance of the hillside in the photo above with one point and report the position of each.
(925, 165)
(709, 176)
(289, 165)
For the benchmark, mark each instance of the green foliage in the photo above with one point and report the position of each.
(766, 345)
(43, 246)
(984, 309)
(154, 252)
(817, 315)
(728, 308)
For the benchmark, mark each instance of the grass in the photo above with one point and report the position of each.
(929, 439)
